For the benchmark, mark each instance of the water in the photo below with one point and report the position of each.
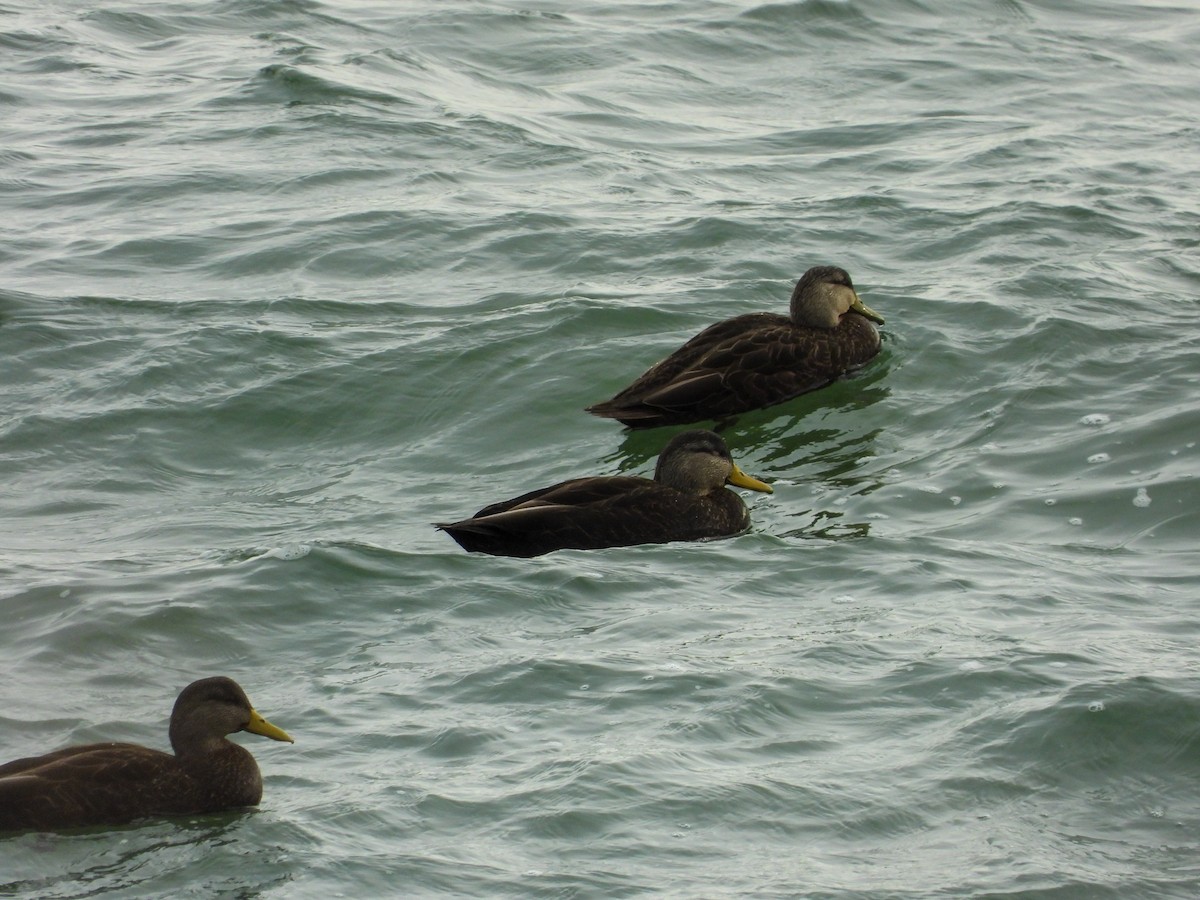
(282, 283)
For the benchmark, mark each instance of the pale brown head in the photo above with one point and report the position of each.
(208, 709)
(823, 295)
(699, 462)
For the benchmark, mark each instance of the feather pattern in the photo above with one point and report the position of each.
(114, 783)
(755, 360)
(685, 501)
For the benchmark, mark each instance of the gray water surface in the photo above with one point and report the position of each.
(282, 283)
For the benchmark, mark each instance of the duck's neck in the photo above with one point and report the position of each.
(695, 475)
(227, 771)
(195, 745)
(816, 306)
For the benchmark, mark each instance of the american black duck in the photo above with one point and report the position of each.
(686, 501)
(755, 360)
(111, 784)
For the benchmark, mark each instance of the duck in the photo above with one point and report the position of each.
(685, 501)
(114, 783)
(755, 360)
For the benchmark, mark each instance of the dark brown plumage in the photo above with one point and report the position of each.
(755, 360)
(686, 501)
(110, 784)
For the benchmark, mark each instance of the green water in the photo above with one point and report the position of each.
(282, 284)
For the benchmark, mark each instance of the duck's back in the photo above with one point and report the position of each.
(742, 364)
(593, 513)
(115, 783)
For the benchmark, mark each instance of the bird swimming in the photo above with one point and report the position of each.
(112, 783)
(757, 359)
(685, 501)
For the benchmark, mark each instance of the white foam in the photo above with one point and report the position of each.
(289, 551)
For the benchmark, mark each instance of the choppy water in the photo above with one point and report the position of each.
(281, 283)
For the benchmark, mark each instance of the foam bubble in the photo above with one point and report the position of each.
(288, 552)
(1096, 419)
(1099, 458)
(1141, 498)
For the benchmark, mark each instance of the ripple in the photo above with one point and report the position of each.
(287, 283)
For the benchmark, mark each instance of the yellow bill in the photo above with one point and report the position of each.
(259, 725)
(863, 310)
(738, 478)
